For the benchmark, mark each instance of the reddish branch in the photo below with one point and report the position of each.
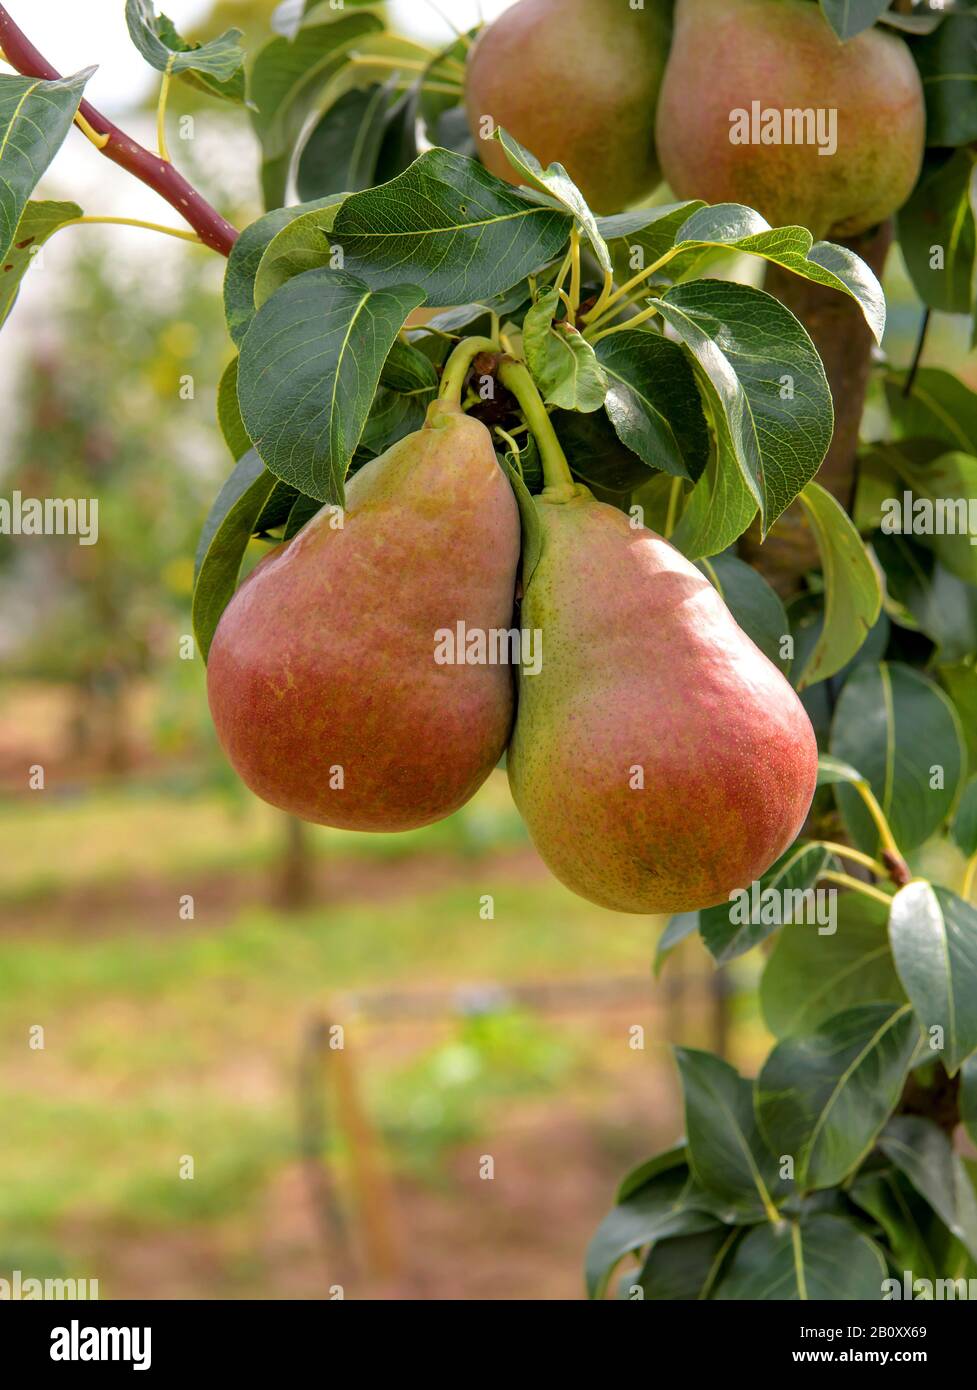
(212, 229)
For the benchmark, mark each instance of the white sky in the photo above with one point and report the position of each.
(73, 34)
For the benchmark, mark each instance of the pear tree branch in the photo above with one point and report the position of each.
(211, 228)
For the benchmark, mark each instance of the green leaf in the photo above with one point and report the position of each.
(392, 416)
(948, 484)
(216, 65)
(229, 412)
(532, 528)
(557, 184)
(832, 770)
(939, 406)
(303, 510)
(753, 603)
(640, 1176)
(665, 1206)
(822, 1098)
(947, 61)
(35, 117)
(726, 1152)
(934, 943)
(906, 738)
(277, 509)
(287, 79)
(442, 120)
(730, 226)
(678, 928)
(913, 1232)
(408, 371)
(640, 238)
(596, 455)
(343, 148)
(310, 366)
(921, 1151)
(763, 383)
(245, 259)
(809, 978)
(301, 244)
(968, 1097)
(781, 899)
(960, 683)
(965, 820)
(653, 403)
(223, 542)
(923, 596)
(824, 1258)
(850, 17)
(853, 595)
(449, 226)
(39, 220)
(720, 507)
(939, 214)
(563, 364)
(684, 1268)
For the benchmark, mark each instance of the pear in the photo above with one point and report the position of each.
(659, 759)
(576, 82)
(783, 56)
(322, 677)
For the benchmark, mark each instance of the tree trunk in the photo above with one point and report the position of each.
(296, 886)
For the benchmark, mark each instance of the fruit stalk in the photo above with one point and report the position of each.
(560, 486)
(457, 367)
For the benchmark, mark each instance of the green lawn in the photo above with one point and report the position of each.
(166, 1038)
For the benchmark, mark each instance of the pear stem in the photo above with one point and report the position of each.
(674, 493)
(514, 448)
(971, 878)
(886, 838)
(164, 92)
(857, 886)
(856, 856)
(575, 272)
(457, 366)
(600, 311)
(560, 486)
(636, 322)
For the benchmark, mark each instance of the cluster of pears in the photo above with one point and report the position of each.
(622, 96)
(660, 761)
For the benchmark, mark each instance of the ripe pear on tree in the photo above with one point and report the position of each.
(782, 54)
(576, 82)
(322, 676)
(659, 759)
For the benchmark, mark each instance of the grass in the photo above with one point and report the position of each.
(181, 1038)
(168, 1040)
(54, 841)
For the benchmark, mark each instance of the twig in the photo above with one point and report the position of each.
(212, 229)
(133, 222)
(907, 390)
